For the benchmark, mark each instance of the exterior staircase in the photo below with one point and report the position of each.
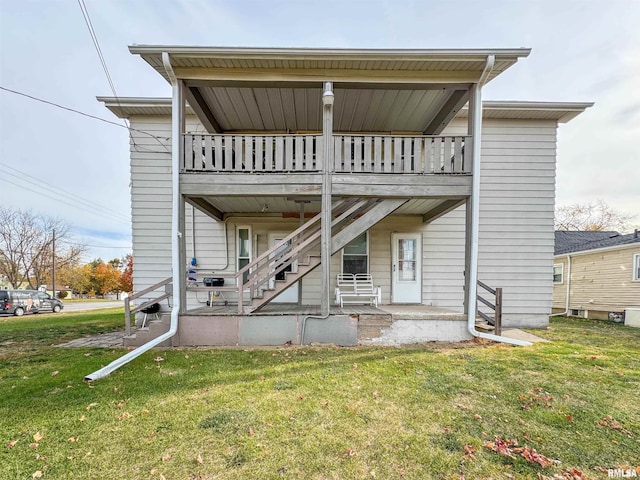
(350, 217)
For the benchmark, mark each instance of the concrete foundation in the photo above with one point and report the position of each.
(387, 325)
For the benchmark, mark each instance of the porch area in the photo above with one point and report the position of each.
(292, 324)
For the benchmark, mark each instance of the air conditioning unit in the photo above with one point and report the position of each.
(632, 317)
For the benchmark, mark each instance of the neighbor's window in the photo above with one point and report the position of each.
(557, 272)
(355, 256)
(243, 249)
(636, 267)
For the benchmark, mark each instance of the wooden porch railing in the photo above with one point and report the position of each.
(252, 153)
(127, 301)
(401, 154)
(496, 321)
(418, 154)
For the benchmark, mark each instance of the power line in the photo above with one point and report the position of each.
(155, 137)
(96, 44)
(28, 187)
(63, 193)
(77, 244)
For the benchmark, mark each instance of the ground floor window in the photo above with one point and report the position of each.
(636, 267)
(355, 255)
(557, 272)
(243, 249)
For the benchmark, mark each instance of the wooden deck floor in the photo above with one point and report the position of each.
(397, 311)
(288, 309)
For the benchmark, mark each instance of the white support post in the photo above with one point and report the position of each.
(327, 134)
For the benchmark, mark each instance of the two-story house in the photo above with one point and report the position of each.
(277, 169)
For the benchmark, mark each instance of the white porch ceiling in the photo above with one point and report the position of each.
(231, 205)
(279, 89)
(300, 109)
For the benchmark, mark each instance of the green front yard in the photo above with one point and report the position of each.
(319, 413)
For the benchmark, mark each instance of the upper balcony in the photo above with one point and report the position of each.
(353, 154)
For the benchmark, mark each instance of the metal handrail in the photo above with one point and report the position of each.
(127, 302)
(496, 320)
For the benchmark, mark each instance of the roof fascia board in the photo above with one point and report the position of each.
(455, 54)
(319, 75)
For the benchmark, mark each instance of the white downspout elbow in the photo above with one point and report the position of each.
(475, 211)
(177, 110)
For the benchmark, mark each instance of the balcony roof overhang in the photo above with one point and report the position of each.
(279, 89)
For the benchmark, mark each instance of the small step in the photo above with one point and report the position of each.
(484, 327)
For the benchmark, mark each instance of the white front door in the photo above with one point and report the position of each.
(290, 295)
(406, 268)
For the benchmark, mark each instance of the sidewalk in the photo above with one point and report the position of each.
(104, 340)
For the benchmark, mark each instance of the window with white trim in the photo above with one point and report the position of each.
(558, 270)
(243, 249)
(355, 255)
(636, 267)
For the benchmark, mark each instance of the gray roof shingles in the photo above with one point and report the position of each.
(578, 241)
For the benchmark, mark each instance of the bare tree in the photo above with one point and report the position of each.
(595, 216)
(26, 247)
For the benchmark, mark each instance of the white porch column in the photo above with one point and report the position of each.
(473, 203)
(327, 164)
(178, 243)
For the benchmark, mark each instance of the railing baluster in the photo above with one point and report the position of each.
(388, 149)
(303, 153)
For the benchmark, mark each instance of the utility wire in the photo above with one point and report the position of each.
(158, 139)
(63, 193)
(77, 244)
(27, 186)
(96, 44)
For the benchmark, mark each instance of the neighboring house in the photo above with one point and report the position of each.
(418, 180)
(596, 273)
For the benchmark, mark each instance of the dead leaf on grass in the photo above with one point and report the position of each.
(350, 452)
(72, 439)
(37, 474)
(463, 407)
(573, 474)
(199, 459)
(83, 418)
(92, 405)
(469, 452)
(12, 443)
(37, 436)
(166, 458)
(53, 374)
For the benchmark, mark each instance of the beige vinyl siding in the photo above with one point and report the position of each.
(150, 164)
(560, 289)
(516, 239)
(601, 281)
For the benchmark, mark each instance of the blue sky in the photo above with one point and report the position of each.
(582, 51)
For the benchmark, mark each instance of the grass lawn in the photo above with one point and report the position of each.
(318, 413)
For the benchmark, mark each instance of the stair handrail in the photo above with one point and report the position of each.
(127, 301)
(496, 321)
(307, 236)
(297, 251)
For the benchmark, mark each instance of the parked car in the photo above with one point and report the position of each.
(19, 302)
(47, 303)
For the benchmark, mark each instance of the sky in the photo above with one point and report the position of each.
(75, 168)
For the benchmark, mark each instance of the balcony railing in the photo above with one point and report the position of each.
(303, 153)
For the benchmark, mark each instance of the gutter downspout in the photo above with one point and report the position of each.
(327, 131)
(476, 99)
(568, 295)
(177, 111)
